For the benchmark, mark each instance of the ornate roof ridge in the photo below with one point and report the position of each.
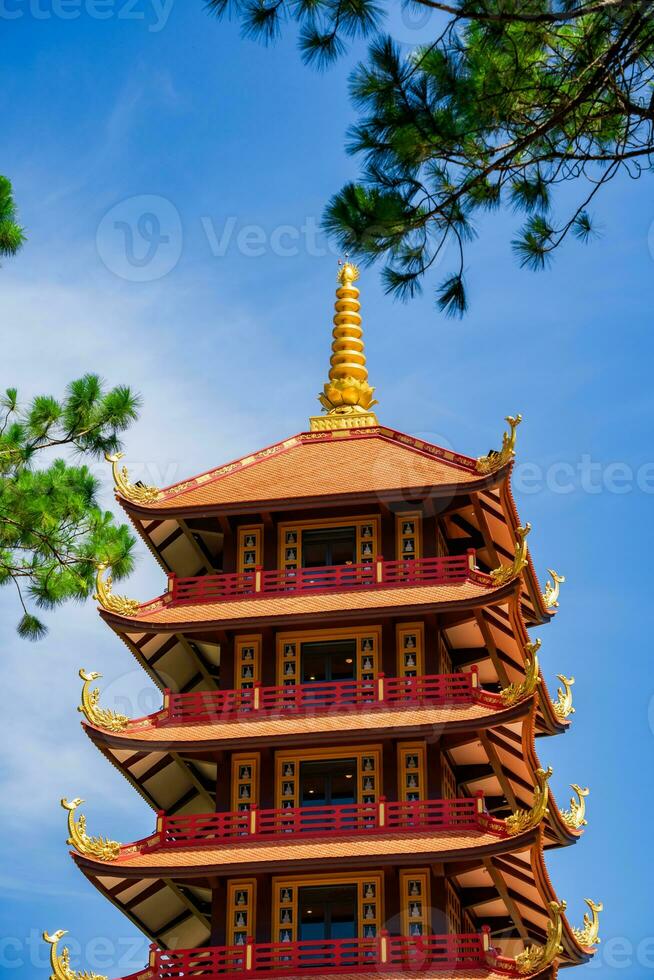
(414, 444)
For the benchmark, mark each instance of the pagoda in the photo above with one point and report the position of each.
(344, 770)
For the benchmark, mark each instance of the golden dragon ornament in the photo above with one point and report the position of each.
(563, 704)
(588, 935)
(553, 589)
(111, 721)
(519, 691)
(118, 604)
(60, 962)
(535, 958)
(575, 817)
(498, 458)
(137, 492)
(97, 847)
(522, 819)
(504, 573)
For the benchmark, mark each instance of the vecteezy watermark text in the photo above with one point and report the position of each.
(153, 14)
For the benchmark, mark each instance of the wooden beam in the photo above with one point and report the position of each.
(199, 661)
(498, 769)
(503, 892)
(491, 647)
(190, 904)
(190, 537)
(194, 779)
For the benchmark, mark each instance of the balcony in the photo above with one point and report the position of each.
(207, 707)
(417, 955)
(213, 829)
(377, 574)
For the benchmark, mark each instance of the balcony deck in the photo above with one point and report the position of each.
(377, 574)
(207, 707)
(426, 956)
(454, 817)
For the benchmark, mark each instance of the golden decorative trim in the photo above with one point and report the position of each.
(60, 963)
(111, 721)
(575, 817)
(138, 492)
(496, 459)
(112, 603)
(347, 397)
(97, 847)
(563, 704)
(552, 589)
(535, 958)
(518, 692)
(589, 935)
(523, 820)
(507, 572)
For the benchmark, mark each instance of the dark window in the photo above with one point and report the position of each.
(329, 661)
(328, 782)
(329, 546)
(328, 912)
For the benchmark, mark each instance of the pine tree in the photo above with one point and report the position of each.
(11, 234)
(509, 100)
(52, 532)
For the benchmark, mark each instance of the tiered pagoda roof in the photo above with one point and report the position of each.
(229, 542)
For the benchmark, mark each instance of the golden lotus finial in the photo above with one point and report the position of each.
(552, 589)
(138, 492)
(535, 958)
(563, 704)
(104, 595)
(347, 272)
(347, 397)
(99, 717)
(504, 573)
(522, 819)
(97, 847)
(518, 692)
(496, 459)
(588, 935)
(575, 817)
(60, 962)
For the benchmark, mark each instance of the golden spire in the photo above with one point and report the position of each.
(347, 397)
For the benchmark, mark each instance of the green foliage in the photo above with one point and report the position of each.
(11, 234)
(52, 531)
(511, 99)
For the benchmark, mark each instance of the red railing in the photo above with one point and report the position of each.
(210, 829)
(384, 952)
(202, 707)
(448, 570)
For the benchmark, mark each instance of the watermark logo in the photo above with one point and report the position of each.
(140, 239)
(153, 13)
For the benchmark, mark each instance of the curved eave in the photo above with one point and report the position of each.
(364, 851)
(174, 499)
(532, 582)
(160, 615)
(577, 953)
(559, 833)
(330, 728)
(144, 893)
(446, 491)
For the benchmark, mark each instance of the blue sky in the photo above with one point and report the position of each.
(235, 149)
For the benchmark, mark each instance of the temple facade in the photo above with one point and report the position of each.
(343, 773)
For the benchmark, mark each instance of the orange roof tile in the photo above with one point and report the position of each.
(163, 737)
(295, 849)
(162, 611)
(349, 461)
